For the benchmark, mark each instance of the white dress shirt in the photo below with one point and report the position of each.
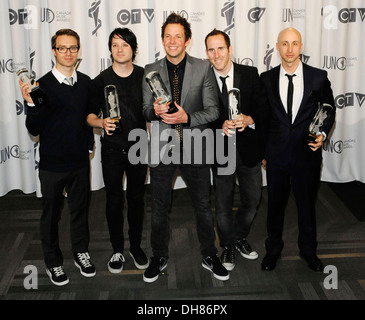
(229, 80)
(61, 77)
(229, 83)
(298, 85)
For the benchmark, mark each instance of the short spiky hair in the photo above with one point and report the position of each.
(175, 18)
(128, 36)
(63, 32)
(216, 32)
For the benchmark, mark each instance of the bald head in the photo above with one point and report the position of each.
(289, 45)
(289, 32)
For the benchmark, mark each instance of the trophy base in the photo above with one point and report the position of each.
(311, 137)
(38, 96)
(172, 109)
(118, 128)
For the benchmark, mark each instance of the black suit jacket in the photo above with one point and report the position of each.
(250, 142)
(286, 141)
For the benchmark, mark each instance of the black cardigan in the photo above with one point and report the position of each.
(64, 135)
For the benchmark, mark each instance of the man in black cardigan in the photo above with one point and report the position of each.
(65, 141)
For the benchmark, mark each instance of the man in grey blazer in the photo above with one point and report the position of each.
(195, 104)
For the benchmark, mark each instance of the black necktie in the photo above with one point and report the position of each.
(176, 97)
(224, 91)
(289, 102)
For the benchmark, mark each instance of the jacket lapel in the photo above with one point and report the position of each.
(189, 70)
(236, 76)
(307, 91)
(164, 74)
(276, 88)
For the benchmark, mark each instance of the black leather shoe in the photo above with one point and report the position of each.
(269, 262)
(313, 262)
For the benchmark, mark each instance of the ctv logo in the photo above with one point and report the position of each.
(30, 15)
(134, 16)
(255, 14)
(331, 16)
(348, 99)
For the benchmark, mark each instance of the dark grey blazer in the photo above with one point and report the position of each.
(199, 98)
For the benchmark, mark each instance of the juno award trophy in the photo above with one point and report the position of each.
(159, 90)
(37, 94)
(112, 106)
(233, 104)
(320, 119)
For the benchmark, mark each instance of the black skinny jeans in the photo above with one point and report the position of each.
(114, 164)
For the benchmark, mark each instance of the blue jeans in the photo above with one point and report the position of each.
(197, 179)
(232, 228)
(114, 164)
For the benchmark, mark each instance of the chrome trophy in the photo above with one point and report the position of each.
(159, 90)
(233, 104)
(37, 94)
(112, 106)
(319, 120)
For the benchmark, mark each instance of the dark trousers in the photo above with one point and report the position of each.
(115, 164)
(77, 186)
(197, 179)
(231, 228)
(305, 182)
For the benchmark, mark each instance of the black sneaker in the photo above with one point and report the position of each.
(228, 258)
(139, 258)
(57, 276)
(115, 264)
(154, 269)
(243, 247)
(214, 265)
(82, 261)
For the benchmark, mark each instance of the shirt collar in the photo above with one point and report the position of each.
(181, 64)
(298, 72)
(229, 74)
(61, 77)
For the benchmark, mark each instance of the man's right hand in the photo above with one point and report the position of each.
(160, 109)
(25, 89)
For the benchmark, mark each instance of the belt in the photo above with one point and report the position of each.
(120, 149)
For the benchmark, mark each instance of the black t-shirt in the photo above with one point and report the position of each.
(130, 103)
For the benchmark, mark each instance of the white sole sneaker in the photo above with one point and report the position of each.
(229, 266)
(57, 283)
(87, 275)
(150, 280)
(252, 256)
(222, 278)
(115, 270)
(139, 266)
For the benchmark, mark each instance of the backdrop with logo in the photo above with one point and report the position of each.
(333, 34)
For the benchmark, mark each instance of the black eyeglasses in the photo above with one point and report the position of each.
(72, 49)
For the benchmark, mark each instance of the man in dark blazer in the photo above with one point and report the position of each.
(248, 129)
(196, 104)
(290, 159)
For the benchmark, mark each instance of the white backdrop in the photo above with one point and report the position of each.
(333, 35)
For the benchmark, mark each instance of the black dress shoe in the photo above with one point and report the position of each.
(313, 262)
(269, 262)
